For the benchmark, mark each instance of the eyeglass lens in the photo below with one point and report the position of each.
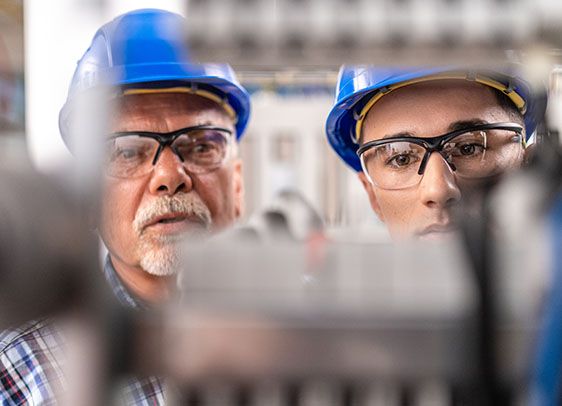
(472, 154)
(133, 155)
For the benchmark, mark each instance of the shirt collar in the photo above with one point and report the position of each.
(124, 295)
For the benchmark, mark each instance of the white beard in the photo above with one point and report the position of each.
(159, 255)
(161, 259)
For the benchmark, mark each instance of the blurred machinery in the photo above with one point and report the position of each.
(379, 324)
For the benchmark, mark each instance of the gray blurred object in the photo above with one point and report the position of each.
(49, 269)
(396, 315)
(46, 249)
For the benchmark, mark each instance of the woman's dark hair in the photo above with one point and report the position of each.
(505, 103)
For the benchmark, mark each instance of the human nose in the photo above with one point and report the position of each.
(169, 175)
(438, 186)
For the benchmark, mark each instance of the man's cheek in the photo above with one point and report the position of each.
(211, 189)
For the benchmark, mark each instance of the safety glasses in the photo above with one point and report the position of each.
(477, 152)
(200, 148)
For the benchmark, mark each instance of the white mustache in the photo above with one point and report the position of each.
(189, 204)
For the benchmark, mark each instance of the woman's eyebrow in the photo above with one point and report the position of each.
(398, 135)
(457, 125)
(465, 124)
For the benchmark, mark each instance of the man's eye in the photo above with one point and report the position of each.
(202, 148)
(127, 153)
(124, 154)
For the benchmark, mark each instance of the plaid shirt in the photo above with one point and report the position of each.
(31, 361)
(30, 365)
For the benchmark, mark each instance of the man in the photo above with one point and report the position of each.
(170, 169)
(170, 158)
(421, 138)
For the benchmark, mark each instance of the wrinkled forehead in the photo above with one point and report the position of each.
(164, 112)
(429, 108)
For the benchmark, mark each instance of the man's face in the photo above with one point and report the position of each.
(427, 110)
(144, 216)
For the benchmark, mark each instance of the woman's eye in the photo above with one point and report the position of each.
(401, 160)
(470, 149)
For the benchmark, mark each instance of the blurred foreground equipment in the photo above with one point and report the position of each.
(400, 318)
(47, 254)
(376, 324)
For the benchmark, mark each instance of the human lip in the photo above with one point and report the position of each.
(436, 232)
(173, 223)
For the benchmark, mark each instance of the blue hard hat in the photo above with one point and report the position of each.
(146, 49)
(359, 87)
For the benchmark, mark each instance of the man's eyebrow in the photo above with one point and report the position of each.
(210, 123)
(464, 124)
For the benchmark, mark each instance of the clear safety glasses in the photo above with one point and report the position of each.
(201, 149)
(477, 152)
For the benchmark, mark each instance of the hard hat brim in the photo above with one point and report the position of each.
(236, 96)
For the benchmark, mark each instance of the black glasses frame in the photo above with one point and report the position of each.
(167, 139)
(436, 144)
